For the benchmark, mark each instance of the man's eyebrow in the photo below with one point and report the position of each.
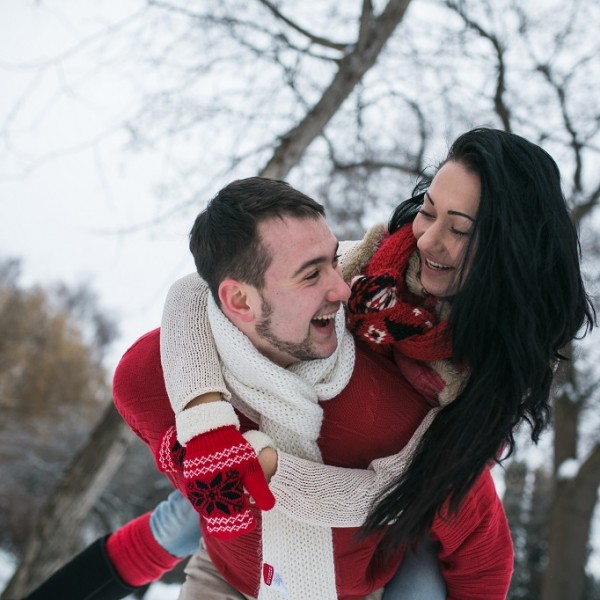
(451, 212)
(318, 260)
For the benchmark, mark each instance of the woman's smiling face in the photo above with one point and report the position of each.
(443, 227)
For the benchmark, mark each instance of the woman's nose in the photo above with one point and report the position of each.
(429, 238)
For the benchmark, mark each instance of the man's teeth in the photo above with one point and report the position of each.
(434, 265)
(325, 318)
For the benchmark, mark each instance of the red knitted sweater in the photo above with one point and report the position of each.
(373, 417)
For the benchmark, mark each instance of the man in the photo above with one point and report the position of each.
(284, 300)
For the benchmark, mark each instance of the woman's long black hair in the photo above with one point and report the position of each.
(522, 300)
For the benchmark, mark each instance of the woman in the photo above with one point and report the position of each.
(511, 271)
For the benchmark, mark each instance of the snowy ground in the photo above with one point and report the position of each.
(7, 567)
(161, 591)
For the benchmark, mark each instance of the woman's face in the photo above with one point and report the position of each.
(443, 227)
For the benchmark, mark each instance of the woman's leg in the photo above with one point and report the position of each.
(176, 525)
(139, 552)
(419, 576)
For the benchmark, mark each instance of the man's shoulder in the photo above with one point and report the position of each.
(139, 392)
(141, 359)
(147, 343)
(369, 359)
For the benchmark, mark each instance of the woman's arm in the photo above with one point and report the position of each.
(330, 496)
(188, 355)
(206, 425)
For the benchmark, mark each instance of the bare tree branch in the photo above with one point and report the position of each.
(376, 165)
(500, 106)
(365, 22)
(310, 36)
(351, 70)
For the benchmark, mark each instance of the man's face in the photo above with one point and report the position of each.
(303, 290)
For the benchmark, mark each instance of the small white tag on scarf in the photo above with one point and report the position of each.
(272, 578)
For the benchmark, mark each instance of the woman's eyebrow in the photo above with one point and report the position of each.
(451, 212)
(461, 214)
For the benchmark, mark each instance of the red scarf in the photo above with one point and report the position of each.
(389, 316)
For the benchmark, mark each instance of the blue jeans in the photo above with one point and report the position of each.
(176, 527)
(418, 578)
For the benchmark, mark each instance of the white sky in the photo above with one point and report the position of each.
(63, 218)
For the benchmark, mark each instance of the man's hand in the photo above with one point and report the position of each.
(216, 466)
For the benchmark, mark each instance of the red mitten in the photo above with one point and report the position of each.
(169, 457)
(217, 463)
(217, 466)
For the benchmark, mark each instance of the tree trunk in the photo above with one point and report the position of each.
(572, 512)
(56, 535)
(352, 69)
(567, 410)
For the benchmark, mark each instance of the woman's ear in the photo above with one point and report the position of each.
(236, 301)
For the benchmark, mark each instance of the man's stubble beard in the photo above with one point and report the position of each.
(298, 350)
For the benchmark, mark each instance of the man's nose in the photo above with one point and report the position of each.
(339, 290)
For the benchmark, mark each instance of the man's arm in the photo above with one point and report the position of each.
(140, 396)
(476, 551)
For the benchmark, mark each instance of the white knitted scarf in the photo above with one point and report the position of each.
(297, 557)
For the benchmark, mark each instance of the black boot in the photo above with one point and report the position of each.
(88, 576)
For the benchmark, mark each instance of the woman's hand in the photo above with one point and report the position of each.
(267, 458)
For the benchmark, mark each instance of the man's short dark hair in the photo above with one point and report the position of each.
(225, 241)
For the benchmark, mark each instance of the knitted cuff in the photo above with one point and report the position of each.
(204, 417)
(258, 440)
(135, 554)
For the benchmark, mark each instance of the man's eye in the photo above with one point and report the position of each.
(312, 275)
(336, 260)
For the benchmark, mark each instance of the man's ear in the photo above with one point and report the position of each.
(236, 302)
